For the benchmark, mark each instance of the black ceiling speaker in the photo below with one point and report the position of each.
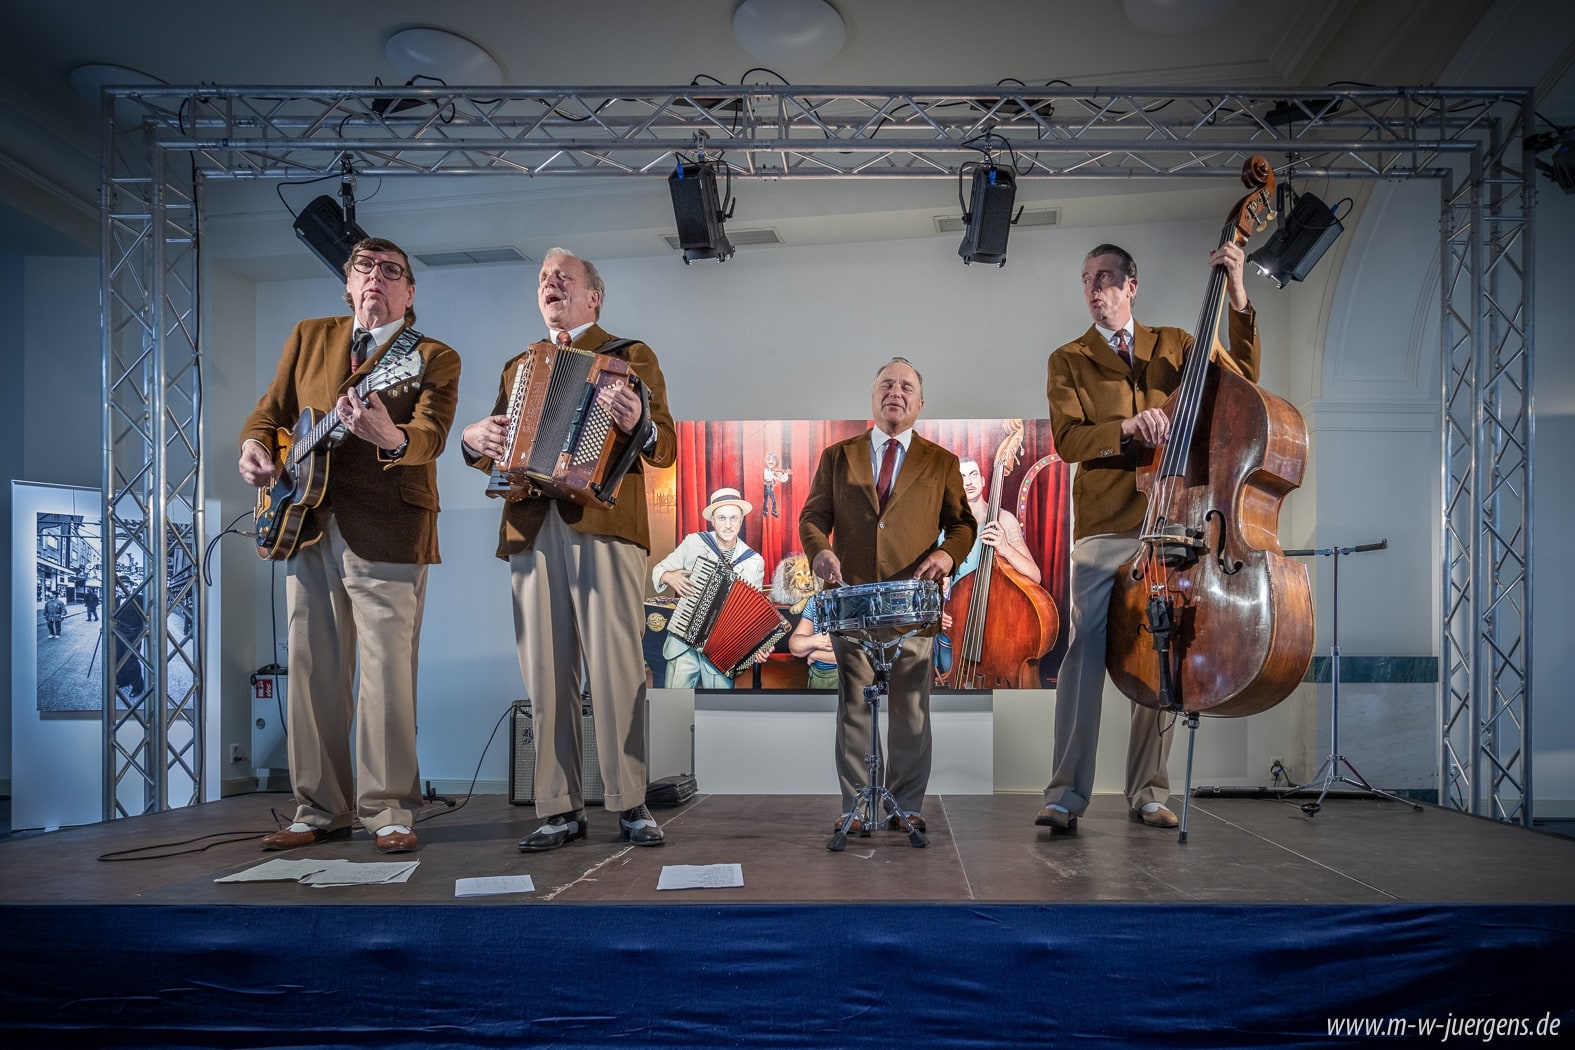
(1299, 242)
(988, 217)
(698, 210)
(324, 228)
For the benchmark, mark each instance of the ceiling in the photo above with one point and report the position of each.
(49, 157)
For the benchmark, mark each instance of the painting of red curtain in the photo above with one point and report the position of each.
(772, 463)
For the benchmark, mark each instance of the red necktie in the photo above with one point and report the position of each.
(888, 467)
(1120, 341)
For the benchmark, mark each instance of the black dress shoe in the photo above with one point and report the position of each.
(1056, 819)
(559, 829)
(636, 827)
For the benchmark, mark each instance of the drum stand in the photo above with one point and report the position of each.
(865, 808)
(1331, 768)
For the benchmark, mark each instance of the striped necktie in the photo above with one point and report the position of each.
(1121, 341)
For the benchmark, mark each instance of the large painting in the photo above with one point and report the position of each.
(1003, 632)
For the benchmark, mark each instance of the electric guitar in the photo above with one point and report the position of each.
(301, 464)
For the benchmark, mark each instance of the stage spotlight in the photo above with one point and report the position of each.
(1560, 165)
(324, 228)
(988, 216)
(1299, 242)
(330, 229)
(699, 211)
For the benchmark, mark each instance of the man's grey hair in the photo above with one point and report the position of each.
(592, 274)
(902, 361)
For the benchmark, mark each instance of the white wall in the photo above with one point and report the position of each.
(52, 423)
(11, 397)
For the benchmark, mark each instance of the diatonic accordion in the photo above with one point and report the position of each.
(561, 442)
(726, 619)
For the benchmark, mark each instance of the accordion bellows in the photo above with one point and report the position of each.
(726, 619)
(560, 441)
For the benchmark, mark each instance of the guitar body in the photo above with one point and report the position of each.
(298, 487)
(301, 463)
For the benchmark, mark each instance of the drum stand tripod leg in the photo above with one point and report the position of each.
(867, 804)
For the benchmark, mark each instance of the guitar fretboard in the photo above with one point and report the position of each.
(378, 380)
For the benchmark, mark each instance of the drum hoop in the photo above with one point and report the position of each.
(834, 623)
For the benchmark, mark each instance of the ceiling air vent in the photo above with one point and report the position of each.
(738, 237)
(1031, 217)
(471, 257)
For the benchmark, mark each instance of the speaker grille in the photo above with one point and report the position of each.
(522, 758)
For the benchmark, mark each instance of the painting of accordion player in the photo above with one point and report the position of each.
(722, 621)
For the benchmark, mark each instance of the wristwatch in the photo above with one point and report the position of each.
(399, 450)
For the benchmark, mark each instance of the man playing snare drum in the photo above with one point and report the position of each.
(874, 512)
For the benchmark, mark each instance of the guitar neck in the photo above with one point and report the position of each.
(328, 424)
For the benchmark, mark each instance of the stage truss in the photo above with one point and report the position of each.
(161, 145)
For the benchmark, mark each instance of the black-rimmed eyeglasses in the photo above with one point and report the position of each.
(390, 270)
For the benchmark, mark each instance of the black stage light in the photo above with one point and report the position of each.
(988, 216)
(1560, 165)
(324, 228)
(1298, 243)
(698, 212)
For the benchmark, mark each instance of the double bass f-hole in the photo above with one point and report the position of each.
(1229, 568)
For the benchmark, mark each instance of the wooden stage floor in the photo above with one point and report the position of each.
(981, 849)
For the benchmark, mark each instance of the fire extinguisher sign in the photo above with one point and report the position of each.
(264, 687)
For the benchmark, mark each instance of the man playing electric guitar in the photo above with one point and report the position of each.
(358, 552)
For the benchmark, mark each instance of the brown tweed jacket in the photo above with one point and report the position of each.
(1091, 391)
(387, 509)
(927, 509)
(627, 519)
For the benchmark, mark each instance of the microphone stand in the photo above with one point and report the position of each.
(1331, 768)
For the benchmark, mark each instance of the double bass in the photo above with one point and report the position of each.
(1002, 622)
(1210, 617)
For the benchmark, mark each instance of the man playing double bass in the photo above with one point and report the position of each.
(1105, 389)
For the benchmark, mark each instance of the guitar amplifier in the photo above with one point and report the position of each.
(522, 757)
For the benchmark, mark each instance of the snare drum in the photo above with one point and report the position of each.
(868, 606)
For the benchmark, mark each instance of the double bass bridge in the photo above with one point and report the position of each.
(1174, 545)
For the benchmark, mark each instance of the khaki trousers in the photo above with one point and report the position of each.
(346, 612)
(1080, 689)
(579, 609)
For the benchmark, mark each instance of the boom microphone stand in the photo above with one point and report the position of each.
(1331, 768)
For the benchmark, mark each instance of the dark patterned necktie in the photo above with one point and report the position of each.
(888, 467)
(360, 348)
(1121, 340)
